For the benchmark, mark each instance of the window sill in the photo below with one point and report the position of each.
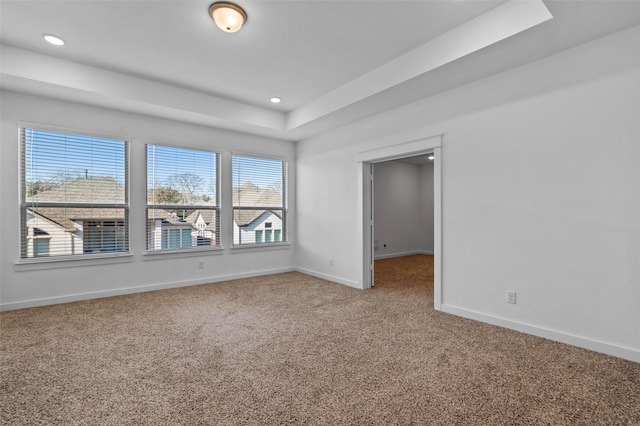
(260, 247)
(167, 254)
(40, 263)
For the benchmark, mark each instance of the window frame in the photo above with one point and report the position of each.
(217, 208)
(25, 239)
(284, 233)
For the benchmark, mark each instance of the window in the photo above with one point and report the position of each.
(177, 238)
(103, 236)
(259, 200)
(182, 198)
(40, 243)
(74, 197)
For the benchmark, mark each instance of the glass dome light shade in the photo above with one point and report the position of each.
(227, 16)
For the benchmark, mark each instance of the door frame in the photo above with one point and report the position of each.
(366, 159)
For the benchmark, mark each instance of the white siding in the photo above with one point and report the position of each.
(61, 241)
(247, 234)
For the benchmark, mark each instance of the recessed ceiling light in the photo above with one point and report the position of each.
(55, 40)
(275, 100)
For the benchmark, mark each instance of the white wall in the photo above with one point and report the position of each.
(29, 285)
(425, 177)
(403, 208)
(541, 194)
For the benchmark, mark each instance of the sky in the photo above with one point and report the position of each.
(166, 161)
(262, 172)
(50, 155)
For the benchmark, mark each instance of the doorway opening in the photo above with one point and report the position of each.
(421, 148)
(403, 237)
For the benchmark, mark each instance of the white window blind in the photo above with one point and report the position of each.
(74, 194)
(182, 198)
(259, 200)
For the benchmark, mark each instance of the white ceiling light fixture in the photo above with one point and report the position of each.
(275, 100)
(55, 40)
(431, 157)
(227, 16)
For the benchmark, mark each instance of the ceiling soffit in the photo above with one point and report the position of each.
(31, 72)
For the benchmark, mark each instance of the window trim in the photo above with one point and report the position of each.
(217, 208)
(47, 262)
(284, 208)
(260, 247)
(56, 262)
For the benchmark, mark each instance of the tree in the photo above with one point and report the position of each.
(186, 184)
(61, 178)
(38, 186)
(166, 195)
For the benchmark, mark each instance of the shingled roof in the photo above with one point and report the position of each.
(209, 216)
(84, 190)
(81, 190)
(250, 195)
(67, 216)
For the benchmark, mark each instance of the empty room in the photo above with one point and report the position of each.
(320, 212)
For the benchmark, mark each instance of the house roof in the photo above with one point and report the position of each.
(67, 217)
(84, 190)
(247, 217)
(162, 214)
(250, 195)
(209, 216)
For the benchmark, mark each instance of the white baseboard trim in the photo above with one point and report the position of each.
(558, 336)
(32, 303)
(404, 253)
(331, 278)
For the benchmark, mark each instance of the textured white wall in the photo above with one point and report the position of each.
(541, 194)
(425, 178)
(403, 208)
(22, 285)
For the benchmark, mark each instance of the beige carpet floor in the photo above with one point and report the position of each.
(293, 349)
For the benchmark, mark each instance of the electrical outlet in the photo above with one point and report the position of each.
(511, 297)
(201, 264)
(330, 261)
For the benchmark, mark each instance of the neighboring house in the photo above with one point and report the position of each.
(256, 227)
(45, 237)
(59, 231)
(204, 221)
(167, 230)
(54, 231)
(79, 229)
(257, 215)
